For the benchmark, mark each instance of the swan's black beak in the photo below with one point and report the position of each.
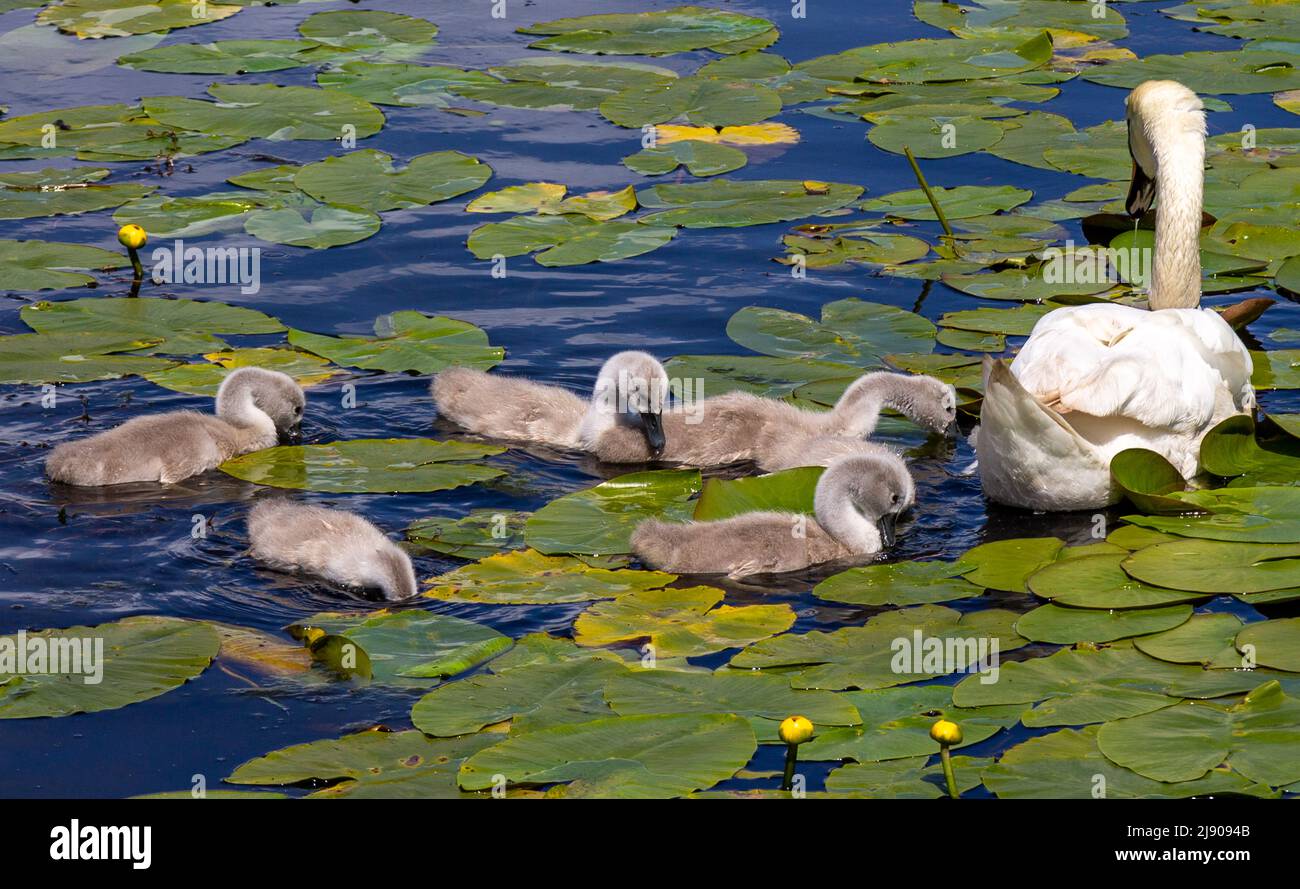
(952, 430)
(652, 426)
(292, 435)
(1141, 192)
(887, 524)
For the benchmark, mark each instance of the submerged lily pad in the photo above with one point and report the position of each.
(407, 341)
(662, 32)
(376, 465)
(850, 331)
(52, 265)
(680, 622)
(89, 669)
(368, 764)
(527, 577)
(399, 647)
(899, 583)
(1258, 738)
(179, 326)
(369, 179)
(600, 520)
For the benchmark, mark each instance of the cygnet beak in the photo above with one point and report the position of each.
(652, 426)
(887, 524)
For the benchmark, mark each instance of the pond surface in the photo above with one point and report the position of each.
(70, 558)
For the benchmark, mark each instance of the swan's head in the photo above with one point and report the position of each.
(395, 572)
(632, 388)
(877, 486)
(273, 393)
(1165, 119)
(929, 402)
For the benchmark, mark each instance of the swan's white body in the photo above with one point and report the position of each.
(1096, 379)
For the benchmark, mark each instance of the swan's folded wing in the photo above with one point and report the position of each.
(1177, 370)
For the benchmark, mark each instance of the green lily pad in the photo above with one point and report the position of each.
(368, 179)
(1231, 449)
(414, 648)
(368, 465)
(369, 764)
(101, 133)
(1131, 537)
(790, 491)
(89, 669)
(481, 533)
(401, 84)
(1079, 686)
(869, 656)
(730, 204)
(1025, 285)
(1099, 582)
(1258, 738)
(699, 158)
(850, 332)
(1007, 564)
(679, 622)
(1066, 22)
(1276, 369)
(1066, 626)
(1017, 321)
(704, 101)
(526, 577)
(407, 341)
(221, 57)
(1230, 72)
(180, 326)
(116, 18)
(360, 30)
(530, 697)
(204, 378)
(903, 778)
(1248, 515)
(1217, 567)
(163, 216)
(52, 265)
(1205, 640)
(319, 228)
(269, 111)
(570, 239)
(899, 583)
(896, 724)
(934, 136)
(1069, 764)
(757, 374)
(54, 192)
(662, 32)
(877, 248)
(599, 521)
(73, 357)
(1149, 481)
(1276, 643)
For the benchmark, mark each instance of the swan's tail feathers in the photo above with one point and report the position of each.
(1030, 456)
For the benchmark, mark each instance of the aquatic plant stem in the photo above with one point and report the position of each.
(925, 187)
(791, 758)
(137, 267)
(948, 775)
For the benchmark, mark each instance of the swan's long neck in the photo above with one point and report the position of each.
(1180, 178)
(836, 513)
(254, 426)
(858, 410)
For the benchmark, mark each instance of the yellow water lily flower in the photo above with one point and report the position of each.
(132, 236)
(946, 733)
(795, 729)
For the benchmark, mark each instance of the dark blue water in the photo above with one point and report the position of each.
(121, 553)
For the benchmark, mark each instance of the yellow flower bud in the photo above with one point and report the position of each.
(946, 733)
(131, 236)
(795, 729)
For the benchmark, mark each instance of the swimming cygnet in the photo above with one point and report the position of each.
(254, 408)
(629, 395)
(739, 427)
(338, 546)
(856, 506)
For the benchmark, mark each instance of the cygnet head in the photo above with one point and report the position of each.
(632, 388)
(877, 487)
(1165, 119)
(395, 573)
(929, 402)
(273, 393)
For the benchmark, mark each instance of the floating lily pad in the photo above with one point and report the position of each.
(790, 491)
(52, 265)
(1276, 369)
(729, 204)
(600, 520)
(680, 622)
(180, 326)
(101, 133)
(399, 647)
(548, 199)
(1247, 515)
(1068, 23)
(878, 248)
(481, 533)
(269, 111)
(1079, 686)
(899, 583)
(1099, 582)
(1068, 764)
(369, 764)
(89, 669)
(1205, 640)
(1066, 626)
(400, 84)
(375, 465)
(163, 216)
(73, 357)
(1017, 321)
(571, 239)
(54, 192)
(903, 778)
(221, 57)
(360, 30)
(699, 158)
(961, 202)
(319, 227)
(758, 374)
(704, 101)
(407, 341)
(115, 18)
(1217, 567)
(369, 179)
(1231, 449)
(1007, 564)
(1258, 738)
(205, 378)
(526, 577)
(1275, 643)
(896, 724)
(1026, 285)
(1215, 72)
(850, 331)
(869, 657)
(934, 136)
(662, 32)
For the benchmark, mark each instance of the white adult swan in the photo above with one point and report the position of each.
(1095, 379)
